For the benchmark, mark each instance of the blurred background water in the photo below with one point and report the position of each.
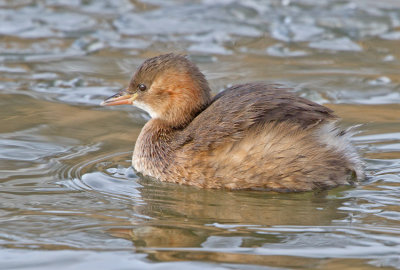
(68, 197)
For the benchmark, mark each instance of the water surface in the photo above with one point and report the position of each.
(68, 196)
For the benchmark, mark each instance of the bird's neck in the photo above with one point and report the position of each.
(156, 134)
(158, 140)
(153, 148)
(180, 116)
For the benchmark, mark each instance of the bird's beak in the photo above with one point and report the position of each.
(121, 98)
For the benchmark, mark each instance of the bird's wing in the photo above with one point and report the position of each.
(241, 107)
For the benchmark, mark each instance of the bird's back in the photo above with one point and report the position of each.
(257, 136)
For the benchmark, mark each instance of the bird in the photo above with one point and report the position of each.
(250, 136)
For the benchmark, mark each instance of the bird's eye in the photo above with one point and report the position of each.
(142, 87)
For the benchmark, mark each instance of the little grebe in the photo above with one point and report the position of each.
(250, 136)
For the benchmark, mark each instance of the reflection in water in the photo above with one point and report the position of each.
(250, 224)
(68, 197)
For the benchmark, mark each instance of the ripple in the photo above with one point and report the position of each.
(110, 175)
(339, 44)
(290, 32)
(84, 95)
(329, 25)
(36, 158)
(355, 241)
(391, 35)
(30, 147)
(86, 259)
(59, 193)
(280, 50)
(67, 22)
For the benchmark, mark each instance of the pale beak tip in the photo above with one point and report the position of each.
(121, 98)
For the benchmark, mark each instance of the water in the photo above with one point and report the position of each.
(68, 197)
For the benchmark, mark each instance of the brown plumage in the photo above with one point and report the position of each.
(250, 136)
